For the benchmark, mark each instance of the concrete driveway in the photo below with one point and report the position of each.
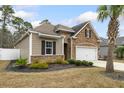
(117, 66)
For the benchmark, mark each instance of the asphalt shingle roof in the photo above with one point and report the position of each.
(79, 26)
(47, 28)
(64, 28)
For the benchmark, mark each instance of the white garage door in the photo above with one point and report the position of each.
(85, 53)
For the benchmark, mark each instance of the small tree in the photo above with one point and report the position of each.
(119, 52)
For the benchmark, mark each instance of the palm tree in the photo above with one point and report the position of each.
(113, 12)
(7, 13)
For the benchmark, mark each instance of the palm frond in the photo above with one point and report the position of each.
(102, 13)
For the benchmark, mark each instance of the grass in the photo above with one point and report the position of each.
(72, 77)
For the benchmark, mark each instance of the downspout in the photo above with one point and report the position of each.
(71, 47)
(30, 47)
(62, 45)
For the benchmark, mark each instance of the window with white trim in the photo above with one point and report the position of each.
(48, 47)
(87, 33)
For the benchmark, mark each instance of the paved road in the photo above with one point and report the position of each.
(117, 66)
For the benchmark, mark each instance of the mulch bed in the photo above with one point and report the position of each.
(52, 67)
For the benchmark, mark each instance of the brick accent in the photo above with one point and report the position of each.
(50, 58)
(81, 40)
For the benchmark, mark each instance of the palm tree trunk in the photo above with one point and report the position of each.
(109, 65)
(112, 36)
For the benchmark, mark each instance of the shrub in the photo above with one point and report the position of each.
(21, 62)
(90, 63)
(78, 63)
(60, 61)
(39, 61)
(65, 62)
(38, 65)
(71, 61)
(85, 63)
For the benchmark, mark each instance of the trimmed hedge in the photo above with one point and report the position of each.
(61, 61)
(38, 65)
(71, 61)
(79, 62)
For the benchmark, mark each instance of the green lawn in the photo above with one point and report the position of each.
(72, 77)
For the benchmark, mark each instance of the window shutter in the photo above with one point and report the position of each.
(90, 33)
(43, 47)
(54, 48)
(85, 32)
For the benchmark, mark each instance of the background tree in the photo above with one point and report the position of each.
(27, 26)
(18, 26)
(21, 27)
(7, 14)
(112, 12)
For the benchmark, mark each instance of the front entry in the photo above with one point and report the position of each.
(65, 50)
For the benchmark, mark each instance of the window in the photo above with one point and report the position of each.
(48, 47)
(88, 33)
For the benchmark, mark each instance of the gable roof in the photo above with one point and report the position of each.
(63, 28)
(79, 26)
(46, 28)
(119, 41)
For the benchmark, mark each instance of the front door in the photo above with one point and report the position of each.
(65, 50)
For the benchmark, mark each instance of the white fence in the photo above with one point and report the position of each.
(9, 54)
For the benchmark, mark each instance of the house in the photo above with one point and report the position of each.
(103, 50)
(50, 42)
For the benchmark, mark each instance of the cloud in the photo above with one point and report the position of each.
(35, 23)
(87, 16)
(23, 14)
(92, 16)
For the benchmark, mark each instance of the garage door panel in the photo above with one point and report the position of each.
(84, 53)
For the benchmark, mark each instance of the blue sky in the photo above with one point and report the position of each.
(67, 15)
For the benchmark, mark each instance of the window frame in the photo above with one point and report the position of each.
(48, 47)
(87, 33)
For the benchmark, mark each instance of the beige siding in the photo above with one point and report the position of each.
(59, 46)
(36, 45)
(24, 47)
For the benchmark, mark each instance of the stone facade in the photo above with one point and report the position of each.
(48, 58)
(81, 40)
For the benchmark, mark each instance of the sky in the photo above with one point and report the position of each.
(68, 15)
